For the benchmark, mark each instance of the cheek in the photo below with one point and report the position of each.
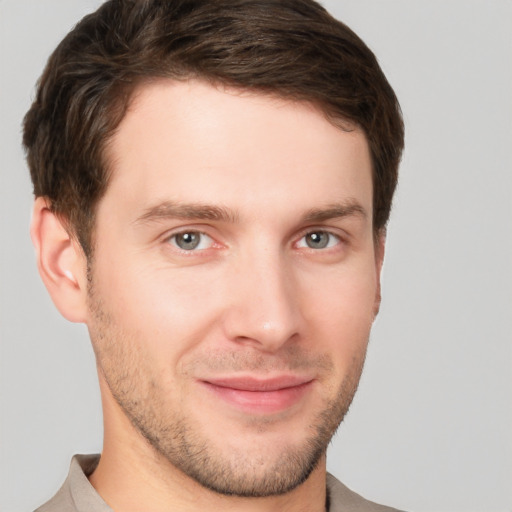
(163, 311)
(341, 308)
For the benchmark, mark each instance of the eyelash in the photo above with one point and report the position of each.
(302, 243)
(329, 244)
(172, 240)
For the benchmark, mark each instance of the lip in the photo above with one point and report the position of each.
(255, 395)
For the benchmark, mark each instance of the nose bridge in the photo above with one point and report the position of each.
(265, 308)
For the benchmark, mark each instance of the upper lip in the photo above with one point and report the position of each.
(252, 383)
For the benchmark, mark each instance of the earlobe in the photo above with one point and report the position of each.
(61, 262)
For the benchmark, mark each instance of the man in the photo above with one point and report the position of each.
(213, 181)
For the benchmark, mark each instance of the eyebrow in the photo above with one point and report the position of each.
(333, 211)
(200, 211)
(188, 211)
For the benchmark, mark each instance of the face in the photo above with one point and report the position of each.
(234, 282)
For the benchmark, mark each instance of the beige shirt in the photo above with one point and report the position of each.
(78, 495)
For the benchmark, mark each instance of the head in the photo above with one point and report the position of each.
(225, 170)
(291, 49)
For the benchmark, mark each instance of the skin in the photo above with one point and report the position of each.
(262, 184)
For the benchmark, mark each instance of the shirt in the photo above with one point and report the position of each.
(78, 495)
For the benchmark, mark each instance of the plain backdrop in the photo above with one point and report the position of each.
(431, 426)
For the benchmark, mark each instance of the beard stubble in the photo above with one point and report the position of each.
(176, 438)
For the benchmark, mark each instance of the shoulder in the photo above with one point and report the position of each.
(77, 494)
(61, 502)
(342, 499)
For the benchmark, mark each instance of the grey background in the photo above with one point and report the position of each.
(431, 427)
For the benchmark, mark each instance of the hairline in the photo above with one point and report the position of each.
(134, 90)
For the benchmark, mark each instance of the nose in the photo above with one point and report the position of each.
(265, 304)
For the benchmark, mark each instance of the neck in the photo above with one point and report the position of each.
(131, 476)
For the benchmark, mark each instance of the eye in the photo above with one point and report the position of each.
(191, 240)
(319, 240)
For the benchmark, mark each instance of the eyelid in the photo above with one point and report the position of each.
(167, 239)
(202, 235)
(336, 233)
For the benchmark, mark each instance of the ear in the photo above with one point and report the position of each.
(380, 244)
(61, 262)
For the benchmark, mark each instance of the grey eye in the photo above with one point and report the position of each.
(317, 240)
(187, 241)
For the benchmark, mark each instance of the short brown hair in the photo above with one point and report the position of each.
(290, 48)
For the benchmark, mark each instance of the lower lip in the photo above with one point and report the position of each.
(261, 402)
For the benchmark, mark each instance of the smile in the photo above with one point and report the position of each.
(260, 396)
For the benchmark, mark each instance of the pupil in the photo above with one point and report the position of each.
(317, 240)
(187, 241)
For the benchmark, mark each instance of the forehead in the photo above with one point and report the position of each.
(233, 146)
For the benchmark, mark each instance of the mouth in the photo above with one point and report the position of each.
(260, 396)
